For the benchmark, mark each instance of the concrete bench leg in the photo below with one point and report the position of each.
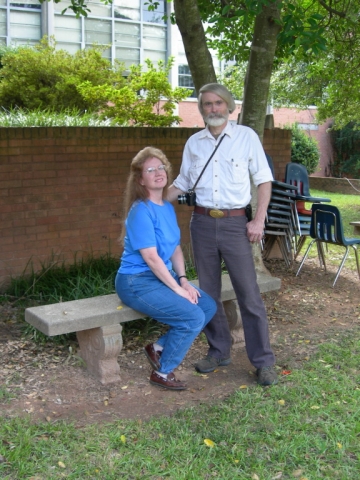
(100, 347)
(233, 315)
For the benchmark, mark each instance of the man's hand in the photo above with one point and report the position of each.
(255, 230)
(173, 193)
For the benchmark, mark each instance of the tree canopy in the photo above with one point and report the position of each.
(311, 47)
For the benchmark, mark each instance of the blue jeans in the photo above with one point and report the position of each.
(145, 293)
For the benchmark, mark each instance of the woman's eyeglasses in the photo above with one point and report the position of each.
(160, 168)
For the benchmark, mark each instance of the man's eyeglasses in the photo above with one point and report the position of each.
(160, 168)
(218, 103)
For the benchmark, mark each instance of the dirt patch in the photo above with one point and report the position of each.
(50, 382)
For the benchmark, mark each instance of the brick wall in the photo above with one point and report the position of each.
(61, 188)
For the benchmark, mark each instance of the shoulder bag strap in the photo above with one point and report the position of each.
(207, 163)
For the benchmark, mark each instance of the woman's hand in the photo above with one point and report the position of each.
(191, 293)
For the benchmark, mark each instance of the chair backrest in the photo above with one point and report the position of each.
(297, 175)
(326, 224)
(271, 164)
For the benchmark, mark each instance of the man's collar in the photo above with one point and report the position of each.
(228, 130)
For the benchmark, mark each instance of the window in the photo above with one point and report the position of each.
(34, 4)
(185, 79)
(155, 16)
(308, 126)
(24, 27)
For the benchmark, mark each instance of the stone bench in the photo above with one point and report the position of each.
(356, 226)
(97, 323)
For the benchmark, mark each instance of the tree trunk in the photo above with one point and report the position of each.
(193, 36)
(256, 90)
(258, 73)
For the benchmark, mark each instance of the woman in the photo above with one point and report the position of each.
(151, 277)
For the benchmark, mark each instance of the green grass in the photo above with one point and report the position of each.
(349, 206)
(306, 427)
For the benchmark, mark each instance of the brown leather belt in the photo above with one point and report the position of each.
(218, 213)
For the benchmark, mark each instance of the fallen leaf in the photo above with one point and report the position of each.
(61, 465)
(286, 372)
(243, 386)
(124, 387)
(254, 477)
(339, 445)
(277, 476)
(281, 402)
(209, 443)
(296, 473)
(315, 407)
(119, 308)
(123, 438)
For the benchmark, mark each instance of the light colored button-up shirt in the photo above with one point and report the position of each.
(225, 182)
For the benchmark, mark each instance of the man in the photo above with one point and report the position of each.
(220, 230)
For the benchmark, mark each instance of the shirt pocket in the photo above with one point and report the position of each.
(237, 169)
(195, 169)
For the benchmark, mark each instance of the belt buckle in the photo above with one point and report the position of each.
(216, 213)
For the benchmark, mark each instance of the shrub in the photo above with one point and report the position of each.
(346, 144)
(304, 149)
(46, 78)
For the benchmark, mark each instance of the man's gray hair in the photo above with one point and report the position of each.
(219, 90)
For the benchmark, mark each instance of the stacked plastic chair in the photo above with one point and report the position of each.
(280, 223)
(326, 227)
(297, 176)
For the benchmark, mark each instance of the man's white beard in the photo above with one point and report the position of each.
(215, 120)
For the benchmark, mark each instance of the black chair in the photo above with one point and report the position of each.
(326, 227)
(280, 219)
(297, 176)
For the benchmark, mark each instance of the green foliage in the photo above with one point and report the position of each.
(304, 149)
(233, 78)
(43, 77)
(302, 27)
(325, 80)
(85, 277)
(18, 117)
(346, 145)
(54, 81)
(146, 99)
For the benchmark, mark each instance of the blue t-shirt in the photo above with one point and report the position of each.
(149, 225)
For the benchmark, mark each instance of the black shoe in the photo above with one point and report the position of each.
(209, 364)
(267, 376)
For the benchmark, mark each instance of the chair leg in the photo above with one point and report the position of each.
(305, 256)
(321, 254)
(299, 245)
(341, 264)
(357, 259)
